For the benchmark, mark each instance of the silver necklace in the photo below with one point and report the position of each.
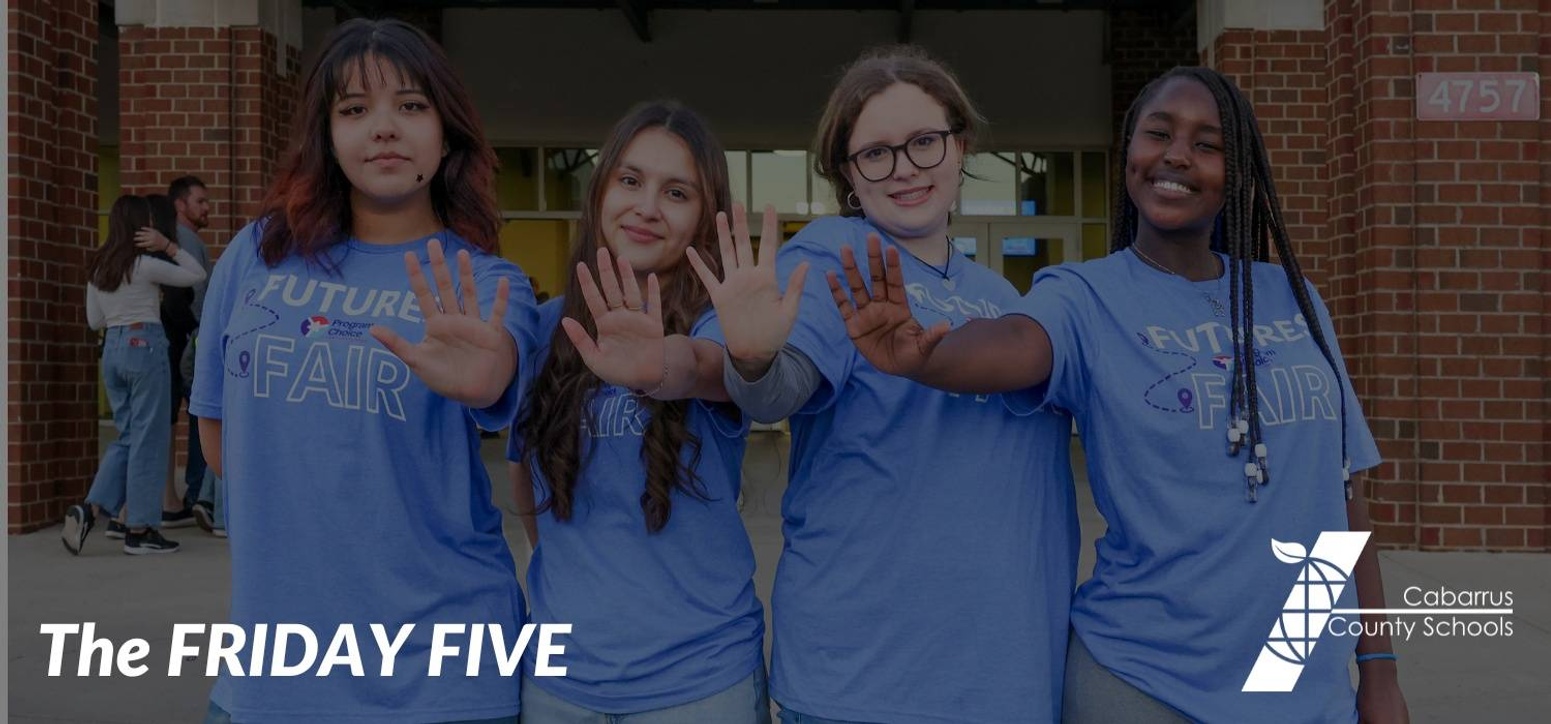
(947, 282)
(1218, 308)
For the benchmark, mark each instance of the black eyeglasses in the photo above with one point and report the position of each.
(927, 150)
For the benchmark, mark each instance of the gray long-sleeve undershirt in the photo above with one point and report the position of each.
(790, 381)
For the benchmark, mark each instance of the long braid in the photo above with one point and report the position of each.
(1250, 220)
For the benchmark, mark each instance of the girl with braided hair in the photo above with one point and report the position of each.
(1216, 413)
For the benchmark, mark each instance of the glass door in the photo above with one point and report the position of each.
(1017, 249)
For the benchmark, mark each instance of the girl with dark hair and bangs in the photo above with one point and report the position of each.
(1222, 432)
(629, 458)
(123, 293)
(344, 369)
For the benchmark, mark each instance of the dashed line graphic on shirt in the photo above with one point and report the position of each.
(1185, 396)
(245, 359)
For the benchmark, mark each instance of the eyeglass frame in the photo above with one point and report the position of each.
(894, 151)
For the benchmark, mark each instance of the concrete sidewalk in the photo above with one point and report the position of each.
(1446, 679)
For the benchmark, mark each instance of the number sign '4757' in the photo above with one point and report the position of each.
(1478, 96)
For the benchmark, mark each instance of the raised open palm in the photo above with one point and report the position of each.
(756, 317)
(462, 357)
(880, 322)
(630, 349)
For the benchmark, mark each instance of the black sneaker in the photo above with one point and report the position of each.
(178, 519)
(204, 515)
(78, 522)
(116, 530)
(149, 541)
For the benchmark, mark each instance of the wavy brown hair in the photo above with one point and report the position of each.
(111, 264)
(871, 74)
(307, 209)
(551, 429)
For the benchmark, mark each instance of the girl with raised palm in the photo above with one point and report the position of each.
(344, 369)
(629, 458)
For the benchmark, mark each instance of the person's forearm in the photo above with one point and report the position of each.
(1370, 592)
(987, 356)
(210, 444)
(693, 371)
(785, 386)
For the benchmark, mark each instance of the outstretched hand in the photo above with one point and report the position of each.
(880, 322)
(462, 357)
(756, 317)
(630, 350)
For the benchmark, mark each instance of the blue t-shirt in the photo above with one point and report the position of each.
(356, 494)
(1186, 587)
(658, 619)
(931, 538)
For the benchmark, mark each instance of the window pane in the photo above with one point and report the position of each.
(1046, 184)
(823, 201)
(781, 179)
(1095, 241)
(517, 182)
(1095, 185)
(738, 176)
(993, 193)
(566, 171)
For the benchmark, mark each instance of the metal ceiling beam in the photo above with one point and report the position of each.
(635, 12)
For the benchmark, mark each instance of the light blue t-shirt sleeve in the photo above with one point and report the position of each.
(819, 332)
(1360, 445)
(220, 301)
(521, 323)
(1061, 302)
(725, 417)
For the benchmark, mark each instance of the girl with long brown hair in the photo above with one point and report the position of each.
(340, 392)
(629, 458)
(123, 295)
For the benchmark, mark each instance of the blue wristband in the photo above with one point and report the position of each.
(1375, 657)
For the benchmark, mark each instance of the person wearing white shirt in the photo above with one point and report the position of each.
(123, 298)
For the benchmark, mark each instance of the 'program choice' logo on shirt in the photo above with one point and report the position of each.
(1325, 572)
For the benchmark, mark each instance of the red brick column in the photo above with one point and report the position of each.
(1428, 240)
(51, 405)
(206, 101)
(210, 102)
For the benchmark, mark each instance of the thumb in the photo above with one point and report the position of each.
(400, 347)
(932, 337)
(579, 339)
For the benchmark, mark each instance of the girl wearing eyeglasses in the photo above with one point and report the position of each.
(929, 561)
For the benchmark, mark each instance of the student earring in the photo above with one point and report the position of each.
(853, 202)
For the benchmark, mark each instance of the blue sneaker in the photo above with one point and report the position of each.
(116, 530)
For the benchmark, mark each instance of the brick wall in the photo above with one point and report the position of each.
(1428, 241)
(51, 408)
(1445, 222)
(178, 115)
(1143, 44)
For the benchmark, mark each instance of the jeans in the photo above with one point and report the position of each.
(216, 715)
(796, 717)
(213, 491)
(194, 472)
(132, 471)
(746, 702)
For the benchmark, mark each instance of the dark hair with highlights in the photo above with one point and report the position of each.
(111, 264)
(551, 429)
(871, 74)
(307, 209)
(1251, 218)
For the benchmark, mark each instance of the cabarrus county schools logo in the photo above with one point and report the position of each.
(315, 326)
(1323, 574)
